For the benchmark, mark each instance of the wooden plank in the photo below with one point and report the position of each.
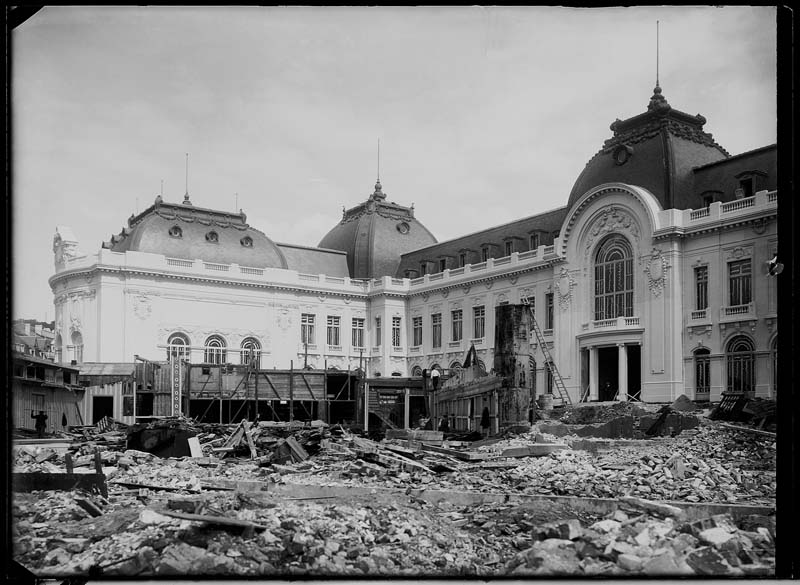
(297, 450)
(236, 437)
(194, 447)
(749, 430)
(535, 450)
(245, 426)
(462, 455)
(28, 482)
(388, 460)
(215, 520)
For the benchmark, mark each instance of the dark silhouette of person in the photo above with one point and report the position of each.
(444, 426)
(41, 425)
(485, 421)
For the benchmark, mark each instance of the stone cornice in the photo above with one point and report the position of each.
(69, 274)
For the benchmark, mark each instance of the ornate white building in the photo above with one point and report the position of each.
(650, 283)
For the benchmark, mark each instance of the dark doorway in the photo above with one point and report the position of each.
(635, 371)
(584, 374)
(102, 406)
(607, 372)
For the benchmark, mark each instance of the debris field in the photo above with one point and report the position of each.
(295, 499)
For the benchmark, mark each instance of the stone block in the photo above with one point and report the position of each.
(567, 530)
(708, 561)
(715, 536)
(630, 562)
(662, 565)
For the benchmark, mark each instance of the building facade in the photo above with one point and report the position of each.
(649, 283)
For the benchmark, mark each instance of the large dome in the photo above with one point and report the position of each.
(196, 233)
(656, 150)
(374, 234)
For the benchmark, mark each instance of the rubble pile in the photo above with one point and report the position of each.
(260, 534)
(220, 512)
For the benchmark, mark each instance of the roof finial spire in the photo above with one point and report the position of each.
(379, 194)
(658, 102)
(656, 53)
(186, 195)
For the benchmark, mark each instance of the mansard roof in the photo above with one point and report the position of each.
(185, 231)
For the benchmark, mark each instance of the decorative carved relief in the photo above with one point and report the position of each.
(466, 288)
(283, 318)
(514, 279)
(611, 220)
(488, 284)
(142, 307)
(445, 293)
(564, 285)
(656, 266)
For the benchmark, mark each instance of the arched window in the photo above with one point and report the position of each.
(251, 349)
(741, 362)
(177, 346)
(416, 371)
(613, 279)
(76, 349)
(702, 374)
(58, 347)
(215, 350)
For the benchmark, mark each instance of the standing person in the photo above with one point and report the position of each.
(41, 425)
(485, 421)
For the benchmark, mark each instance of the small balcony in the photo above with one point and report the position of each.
(615, 324)
(737, 312)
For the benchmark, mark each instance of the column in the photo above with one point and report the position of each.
(366, 407)
(406, 409)
(593, 385)
(622, 372)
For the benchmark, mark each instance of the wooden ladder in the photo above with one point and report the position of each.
(558, 382)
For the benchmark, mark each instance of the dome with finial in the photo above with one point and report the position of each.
(656, 150)
(375, 233)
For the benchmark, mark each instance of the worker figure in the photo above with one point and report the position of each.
(443, 425)
(41, 425)
(485, 421)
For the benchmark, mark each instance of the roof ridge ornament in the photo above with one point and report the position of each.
(658, 103)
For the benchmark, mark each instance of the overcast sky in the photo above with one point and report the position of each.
(484, 114)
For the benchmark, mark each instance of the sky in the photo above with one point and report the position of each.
(484, 114)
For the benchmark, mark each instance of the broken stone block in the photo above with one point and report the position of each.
(605, 526)
(708, 561)
(630, 562)
(568, 530)
(663, 564)
(715, 536)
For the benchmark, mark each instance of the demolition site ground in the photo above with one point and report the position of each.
(590, 494)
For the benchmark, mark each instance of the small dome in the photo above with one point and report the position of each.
(190, 232)
(374, 234)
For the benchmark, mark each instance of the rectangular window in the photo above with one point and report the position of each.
(509, 248)
(436, 330)
(701, 287)
(484, 254)
(358, 332)
(395, 331)
(534, 241)
(333, 330)
(462, 260)
(548, 383)
(378, 333)
(457, 319)
(479, 321)
(423, 268)
(442, 264)
(548, 301)
(708, 199)
(307, 328)
(127, 406)
(740, 282)
(417, 328)
(746, 186)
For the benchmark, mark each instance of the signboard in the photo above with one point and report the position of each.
(175, 369)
